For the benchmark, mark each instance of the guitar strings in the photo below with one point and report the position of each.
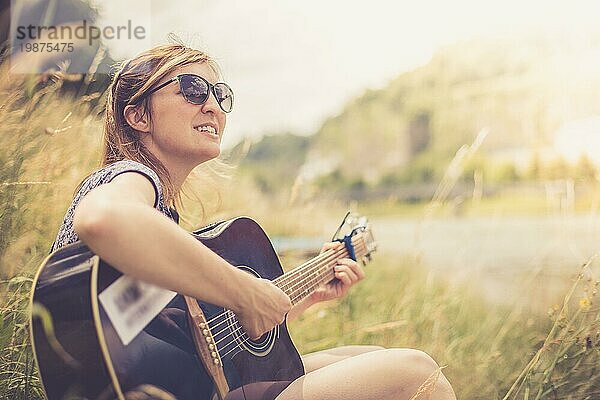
(295, 271)
(294, 284)
(320, 261)
(330, 257)
(219, 315)
(290, 278)
(294, 296)
(239, 327)
(322, 274)
(244, 337)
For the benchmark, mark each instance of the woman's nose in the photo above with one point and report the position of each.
(211, 104)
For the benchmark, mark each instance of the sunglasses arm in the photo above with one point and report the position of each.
(162, 85)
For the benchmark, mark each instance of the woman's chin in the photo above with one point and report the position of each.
(209, 154)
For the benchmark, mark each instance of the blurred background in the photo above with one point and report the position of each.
(468, 132)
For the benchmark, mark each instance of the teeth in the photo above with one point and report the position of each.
(208, 129)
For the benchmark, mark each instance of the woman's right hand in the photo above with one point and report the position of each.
(264, 307)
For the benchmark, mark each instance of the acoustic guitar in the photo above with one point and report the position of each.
(99, 334)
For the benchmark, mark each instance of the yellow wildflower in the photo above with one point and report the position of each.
(585, 304)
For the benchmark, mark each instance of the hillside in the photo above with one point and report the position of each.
(522, 90)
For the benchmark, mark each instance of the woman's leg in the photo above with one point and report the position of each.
(320, 359)
(379, 374)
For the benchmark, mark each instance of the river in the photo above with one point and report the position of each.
(506, 258)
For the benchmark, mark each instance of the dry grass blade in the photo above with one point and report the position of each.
(428, 386)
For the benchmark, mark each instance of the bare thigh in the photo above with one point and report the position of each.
(320, 359)
(371, 374)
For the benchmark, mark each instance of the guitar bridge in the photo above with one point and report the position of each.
(206, 347)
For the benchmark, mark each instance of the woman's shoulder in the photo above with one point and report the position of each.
(108, 172)
(128, 165)
(103, 175)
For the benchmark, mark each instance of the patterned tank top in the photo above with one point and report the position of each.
(66, 235)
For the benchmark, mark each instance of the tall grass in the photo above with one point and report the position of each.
(567, 365)
(48, 142)
(484, 346)
(402, 306)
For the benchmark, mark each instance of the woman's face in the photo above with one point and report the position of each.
(181, 132)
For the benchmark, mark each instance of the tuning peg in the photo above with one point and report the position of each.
(352, 220)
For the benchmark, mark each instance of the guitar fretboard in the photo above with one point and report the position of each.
(301, 281)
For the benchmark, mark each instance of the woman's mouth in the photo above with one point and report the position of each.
(207, 130)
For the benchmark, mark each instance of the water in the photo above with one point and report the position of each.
(506, 258)
(285, 244)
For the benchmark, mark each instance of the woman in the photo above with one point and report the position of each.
(159, 126)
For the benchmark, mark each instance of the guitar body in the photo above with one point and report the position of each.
(90, 359)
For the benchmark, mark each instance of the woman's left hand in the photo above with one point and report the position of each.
(347, 273)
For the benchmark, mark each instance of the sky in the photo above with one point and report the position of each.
(292, 64)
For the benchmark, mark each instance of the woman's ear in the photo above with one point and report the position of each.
(137, 118)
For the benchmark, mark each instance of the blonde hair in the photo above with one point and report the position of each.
(129, 84)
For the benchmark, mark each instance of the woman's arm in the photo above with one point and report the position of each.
(117, 221)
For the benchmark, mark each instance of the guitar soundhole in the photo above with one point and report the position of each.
(259, 347)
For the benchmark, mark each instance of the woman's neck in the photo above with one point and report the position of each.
(177, 168)
(178, 174)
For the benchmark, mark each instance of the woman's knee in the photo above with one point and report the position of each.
(407, 357)
(354, 350)
(415, 365)
(421, 371)
(420, 359)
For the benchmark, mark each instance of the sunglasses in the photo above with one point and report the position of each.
(196, 90)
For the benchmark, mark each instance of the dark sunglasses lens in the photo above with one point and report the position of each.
(224, 96)
(194, 89)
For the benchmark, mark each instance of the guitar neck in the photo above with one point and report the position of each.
(301, 281)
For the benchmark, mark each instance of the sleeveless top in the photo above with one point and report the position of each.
(66, 234)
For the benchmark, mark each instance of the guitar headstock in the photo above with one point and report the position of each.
(357, 229)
